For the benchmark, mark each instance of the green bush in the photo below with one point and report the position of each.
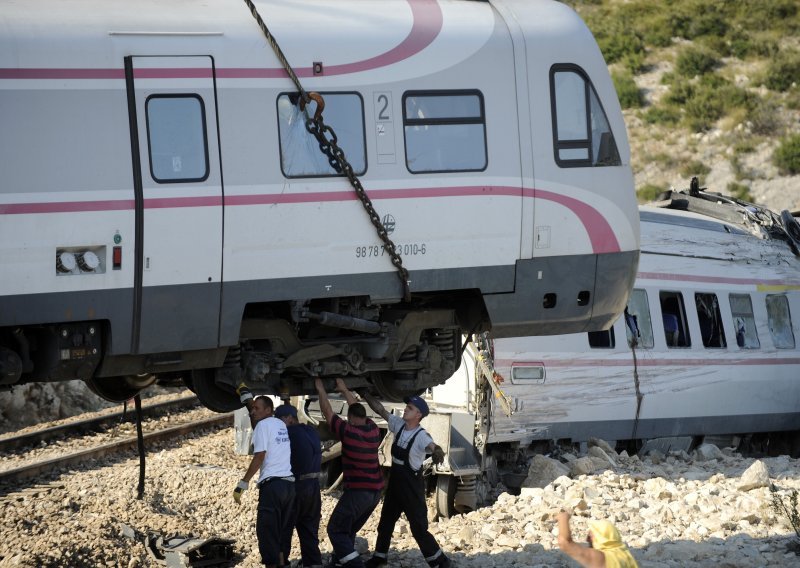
(695, 61)
(618, 43)
(783, 71)
(694, 168)
(634, 62)
(648, 192)
(710, 24)
(773, 14)
(630, 96)
(787, 155)
(663, 114)
(739, 191)
(792, 98)
(680, 92)
(706, 100)
(740, 44)
(744, 146)
(658, 33)
(790, 510)
(765, 118)
(703, 110)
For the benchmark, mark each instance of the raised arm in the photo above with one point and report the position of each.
(324, 402)
(375, 405)
(586, 557)
(342, 389)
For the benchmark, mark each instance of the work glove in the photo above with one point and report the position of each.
(240, 488)
(244, 394)
(437, 456)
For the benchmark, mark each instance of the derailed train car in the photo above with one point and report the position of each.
(707, 347)
(166, 213)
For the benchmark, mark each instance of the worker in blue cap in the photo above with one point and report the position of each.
(306, 464)
(405, 492)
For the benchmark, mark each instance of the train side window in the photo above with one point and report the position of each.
(581, 134)
(445, 131)
(603, 339)
(673, 314)
(708, 314)
(300, 152)
(743, 321)
(638, 323)
(176, 138)
(527, 373)
(780, 321)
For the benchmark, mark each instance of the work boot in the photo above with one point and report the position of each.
(441, 562)
(374, 562)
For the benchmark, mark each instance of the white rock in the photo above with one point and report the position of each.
(755, 476)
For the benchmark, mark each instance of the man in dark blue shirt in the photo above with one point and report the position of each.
(306, 464)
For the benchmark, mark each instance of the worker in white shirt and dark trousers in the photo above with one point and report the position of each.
(272, 460)
(405, 492)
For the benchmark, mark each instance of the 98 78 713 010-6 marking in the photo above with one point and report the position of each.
(406, 249)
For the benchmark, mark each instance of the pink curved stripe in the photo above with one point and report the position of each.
(427, 21)
(597, 227)
(426, 25)
(600, 232)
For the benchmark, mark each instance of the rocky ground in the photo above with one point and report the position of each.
(708, 508)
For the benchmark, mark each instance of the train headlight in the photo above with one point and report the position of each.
(65, 262)
(88, 261)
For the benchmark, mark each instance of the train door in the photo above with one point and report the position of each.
(178, 179)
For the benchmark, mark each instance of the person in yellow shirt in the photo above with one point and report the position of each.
(606, 547)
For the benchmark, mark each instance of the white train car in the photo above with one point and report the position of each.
(165, 214)
(708, 346)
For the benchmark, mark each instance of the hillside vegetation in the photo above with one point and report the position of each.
(709, 89)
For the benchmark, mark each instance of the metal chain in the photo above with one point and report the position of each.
(327, 140)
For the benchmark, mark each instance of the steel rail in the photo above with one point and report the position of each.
(51, 465)
(15, 441)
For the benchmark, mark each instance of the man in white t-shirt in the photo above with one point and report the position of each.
(406, 492)
(272, 456)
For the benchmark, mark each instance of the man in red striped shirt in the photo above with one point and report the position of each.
(363, 479)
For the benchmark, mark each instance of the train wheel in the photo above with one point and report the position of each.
(211, 395)
(445, 496)
(393, 389)
(119, 389)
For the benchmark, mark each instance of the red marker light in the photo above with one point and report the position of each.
(116, 258)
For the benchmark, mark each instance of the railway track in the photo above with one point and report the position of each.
(22, 465)
(9, 442)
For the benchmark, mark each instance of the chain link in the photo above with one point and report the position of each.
(328, 144)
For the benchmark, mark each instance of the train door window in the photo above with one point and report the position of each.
(743, 321)
(444, 131)
(581, 133)
(780, 321)
(602, 339)
(176, 138)
(300, 152)
(710, 320)
(638, 323)
(673, 314)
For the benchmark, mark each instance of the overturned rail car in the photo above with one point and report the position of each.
(167, 213)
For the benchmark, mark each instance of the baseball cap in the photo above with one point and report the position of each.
(417, 402)
(285, 410)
